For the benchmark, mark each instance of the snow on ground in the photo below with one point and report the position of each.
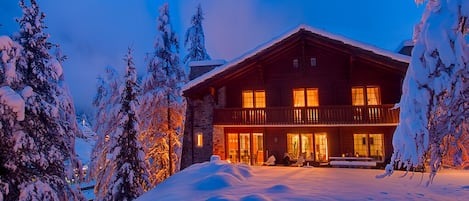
(219, 180)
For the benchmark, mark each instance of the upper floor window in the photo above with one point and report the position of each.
(368, 95)
(305, 97)
(253, 99)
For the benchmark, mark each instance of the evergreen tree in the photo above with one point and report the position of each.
(129, 176)
(162, 106)
(45, 137)
(435, 101)
(195, 36)
(106, 103)
(11, 111)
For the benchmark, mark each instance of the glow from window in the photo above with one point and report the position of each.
(358, 96)
(200, 140)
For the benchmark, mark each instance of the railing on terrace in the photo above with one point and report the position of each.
(322, 115)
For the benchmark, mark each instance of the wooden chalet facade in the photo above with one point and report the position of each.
(308, 93)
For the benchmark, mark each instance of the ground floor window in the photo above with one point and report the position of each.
(369, 145)
(320, 146)
(301, 144)
(245, 148)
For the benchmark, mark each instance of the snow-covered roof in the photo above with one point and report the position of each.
(215, 62)
(260, 48)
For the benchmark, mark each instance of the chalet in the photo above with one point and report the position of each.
(308, 93)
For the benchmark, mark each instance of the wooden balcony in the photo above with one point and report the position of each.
(323, 115)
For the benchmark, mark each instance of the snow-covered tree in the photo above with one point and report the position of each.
(435, 97)
(195, 39)
(11, 109)
(162, 106)
(129, 176)
(106, 103)
(42, 139)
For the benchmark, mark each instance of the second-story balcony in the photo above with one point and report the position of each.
(322, 115)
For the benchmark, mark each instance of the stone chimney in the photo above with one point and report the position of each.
(198, 68)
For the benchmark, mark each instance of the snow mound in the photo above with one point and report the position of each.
(256, 197)
(221, 198)
(279, 189)
(216, 181)
(221, 174)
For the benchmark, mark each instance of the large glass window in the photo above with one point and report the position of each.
(307, 145)
(258, 148)
(300, 144)
(233, 147)
(360, 145)
(369, 145)
(376, 142)
(320, 144)
(245, 148)
(293, 145)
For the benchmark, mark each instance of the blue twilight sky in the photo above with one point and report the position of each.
(96, 33)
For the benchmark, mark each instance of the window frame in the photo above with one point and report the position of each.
(254, 98)
(306, 102)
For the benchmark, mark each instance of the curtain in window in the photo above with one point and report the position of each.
(373, 95)
(358, 96)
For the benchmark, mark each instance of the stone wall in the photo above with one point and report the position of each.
(199, 119)
(219, 141)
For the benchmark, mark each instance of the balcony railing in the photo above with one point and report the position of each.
(323, 115)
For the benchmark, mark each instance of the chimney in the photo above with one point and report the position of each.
(198, 68)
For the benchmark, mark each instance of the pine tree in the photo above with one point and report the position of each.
(435, 102)
(106, 103)
(45, 138)
(129, 176)
(196, 37)
(11, 111)
(162, 106)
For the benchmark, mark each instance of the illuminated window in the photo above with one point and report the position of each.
(358, 96)
(308, 97)
(305, 97)
(372, 96)
(300, 143)
(200, 139)
(369, 97)
(360, 145)
(320, 144)
(376, 143)
(369, 145)
(253, 99)
(293, 145)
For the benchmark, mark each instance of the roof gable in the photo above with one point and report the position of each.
(207, 77)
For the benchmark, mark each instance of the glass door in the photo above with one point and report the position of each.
(245, 148)
(320, 145)
(257, 148)
(233, 147)
(307, 145)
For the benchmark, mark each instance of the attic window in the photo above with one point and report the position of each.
(313, 62)
(295, 63)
